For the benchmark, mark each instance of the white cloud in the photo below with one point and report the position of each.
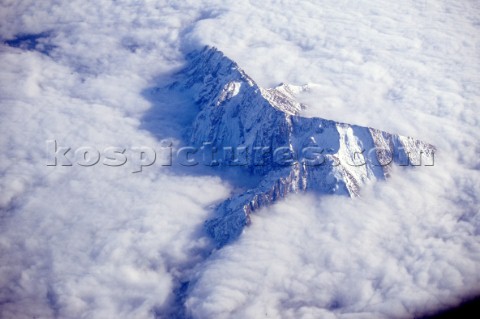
(390, 254)
(103, 242)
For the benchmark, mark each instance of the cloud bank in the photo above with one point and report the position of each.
(389, 254)
(103, 242)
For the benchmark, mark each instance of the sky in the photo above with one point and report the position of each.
(104, 242)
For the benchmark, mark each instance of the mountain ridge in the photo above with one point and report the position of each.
(237, 114)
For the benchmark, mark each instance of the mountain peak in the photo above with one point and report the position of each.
(261, 129)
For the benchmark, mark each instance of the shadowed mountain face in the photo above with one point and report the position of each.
(242, 124)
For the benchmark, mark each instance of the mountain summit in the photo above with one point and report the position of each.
(262, 130)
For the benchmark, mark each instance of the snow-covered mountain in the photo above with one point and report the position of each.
(262, 130)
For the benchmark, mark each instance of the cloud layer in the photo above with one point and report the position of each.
(389, 254)
(102, 242)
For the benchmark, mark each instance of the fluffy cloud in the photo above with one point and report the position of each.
(103, 242)
(88, 241)
(92, 241)
(393, 253)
